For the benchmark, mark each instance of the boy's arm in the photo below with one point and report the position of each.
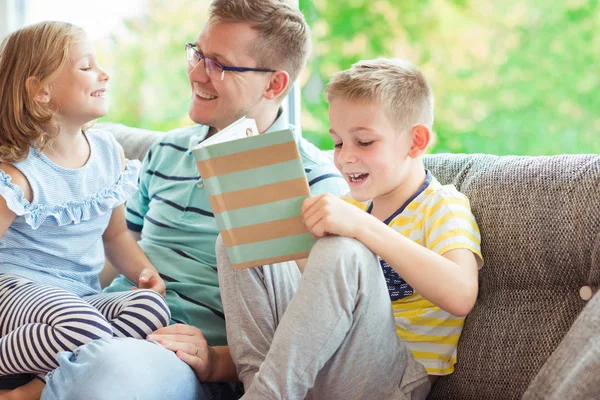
(448, 281)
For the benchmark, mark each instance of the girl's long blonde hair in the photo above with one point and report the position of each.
(30, 60)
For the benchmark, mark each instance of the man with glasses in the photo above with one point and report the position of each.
(243, 63)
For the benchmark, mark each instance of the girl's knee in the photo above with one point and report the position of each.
(150, 302)
(84, 326)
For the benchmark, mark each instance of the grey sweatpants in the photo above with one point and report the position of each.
(326, 334)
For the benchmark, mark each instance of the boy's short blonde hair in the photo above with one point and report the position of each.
(394, 83)
(283, 35)
(30, 60)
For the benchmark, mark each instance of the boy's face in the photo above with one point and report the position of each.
(374, 159)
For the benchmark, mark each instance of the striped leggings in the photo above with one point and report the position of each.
(38, 321)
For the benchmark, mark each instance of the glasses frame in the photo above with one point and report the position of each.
(201, 57)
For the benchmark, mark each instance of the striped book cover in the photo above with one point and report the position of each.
(256, 186)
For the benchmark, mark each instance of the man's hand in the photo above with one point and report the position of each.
(191, 347)
(328, 214)
(150, 279)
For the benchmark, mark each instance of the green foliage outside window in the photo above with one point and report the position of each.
(513, 77)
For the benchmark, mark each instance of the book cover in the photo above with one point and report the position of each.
(256, 186)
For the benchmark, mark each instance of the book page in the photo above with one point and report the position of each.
(241, 128)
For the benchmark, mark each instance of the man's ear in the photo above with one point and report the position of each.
(421, 136)
(42, 95)
(277, 84)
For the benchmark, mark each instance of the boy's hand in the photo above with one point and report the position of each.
(189, 344)
(328, 214)
(150, 279)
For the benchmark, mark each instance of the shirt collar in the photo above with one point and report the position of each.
(279, 124)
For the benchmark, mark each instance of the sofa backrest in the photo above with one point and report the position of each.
(540, 224)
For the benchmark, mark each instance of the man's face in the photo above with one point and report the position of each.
(217, 102)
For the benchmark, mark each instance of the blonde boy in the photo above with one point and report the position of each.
(338, 337)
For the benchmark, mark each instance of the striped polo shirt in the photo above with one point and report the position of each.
(178, 228)
(439, 218)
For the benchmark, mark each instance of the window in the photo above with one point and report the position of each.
(513, 78)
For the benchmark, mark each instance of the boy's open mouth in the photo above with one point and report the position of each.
(357, 177)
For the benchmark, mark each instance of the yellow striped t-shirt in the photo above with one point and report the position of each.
(439, 218)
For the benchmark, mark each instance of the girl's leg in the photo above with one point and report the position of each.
(40, 321)
(135, 314)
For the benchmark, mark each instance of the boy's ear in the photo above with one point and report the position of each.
(278, 83)
(42, 95)
(421, 136)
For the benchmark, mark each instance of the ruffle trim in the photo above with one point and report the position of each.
(72, 212)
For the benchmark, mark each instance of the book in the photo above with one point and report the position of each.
(256, 185)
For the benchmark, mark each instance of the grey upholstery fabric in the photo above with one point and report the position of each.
(135, 142)
(540, 224)
(573, 370)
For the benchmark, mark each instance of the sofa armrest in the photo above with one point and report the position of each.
(571, 372)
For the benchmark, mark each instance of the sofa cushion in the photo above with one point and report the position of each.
(540, 226)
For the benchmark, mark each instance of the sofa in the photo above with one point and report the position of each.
(531, 333)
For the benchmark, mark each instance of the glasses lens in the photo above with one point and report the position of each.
(213, 68)
(191, 55)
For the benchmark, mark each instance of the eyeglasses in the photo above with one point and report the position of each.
(213, 68)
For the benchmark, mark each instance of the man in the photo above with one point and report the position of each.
(244, 62)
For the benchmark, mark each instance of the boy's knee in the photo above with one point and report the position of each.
(334, 252)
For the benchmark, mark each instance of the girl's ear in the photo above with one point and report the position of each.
(42, 95)
(278, 83)
(421, 136)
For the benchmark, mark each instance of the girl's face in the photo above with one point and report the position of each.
(78, 93)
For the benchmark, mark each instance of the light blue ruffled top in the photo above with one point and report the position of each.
(57, 238)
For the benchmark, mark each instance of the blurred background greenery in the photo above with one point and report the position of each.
(511, 77)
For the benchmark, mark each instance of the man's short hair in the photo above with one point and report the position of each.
(283, 35)
(396, 84)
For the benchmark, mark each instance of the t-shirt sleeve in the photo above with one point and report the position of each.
(450, 224)
(138, 204)
(325, 178)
